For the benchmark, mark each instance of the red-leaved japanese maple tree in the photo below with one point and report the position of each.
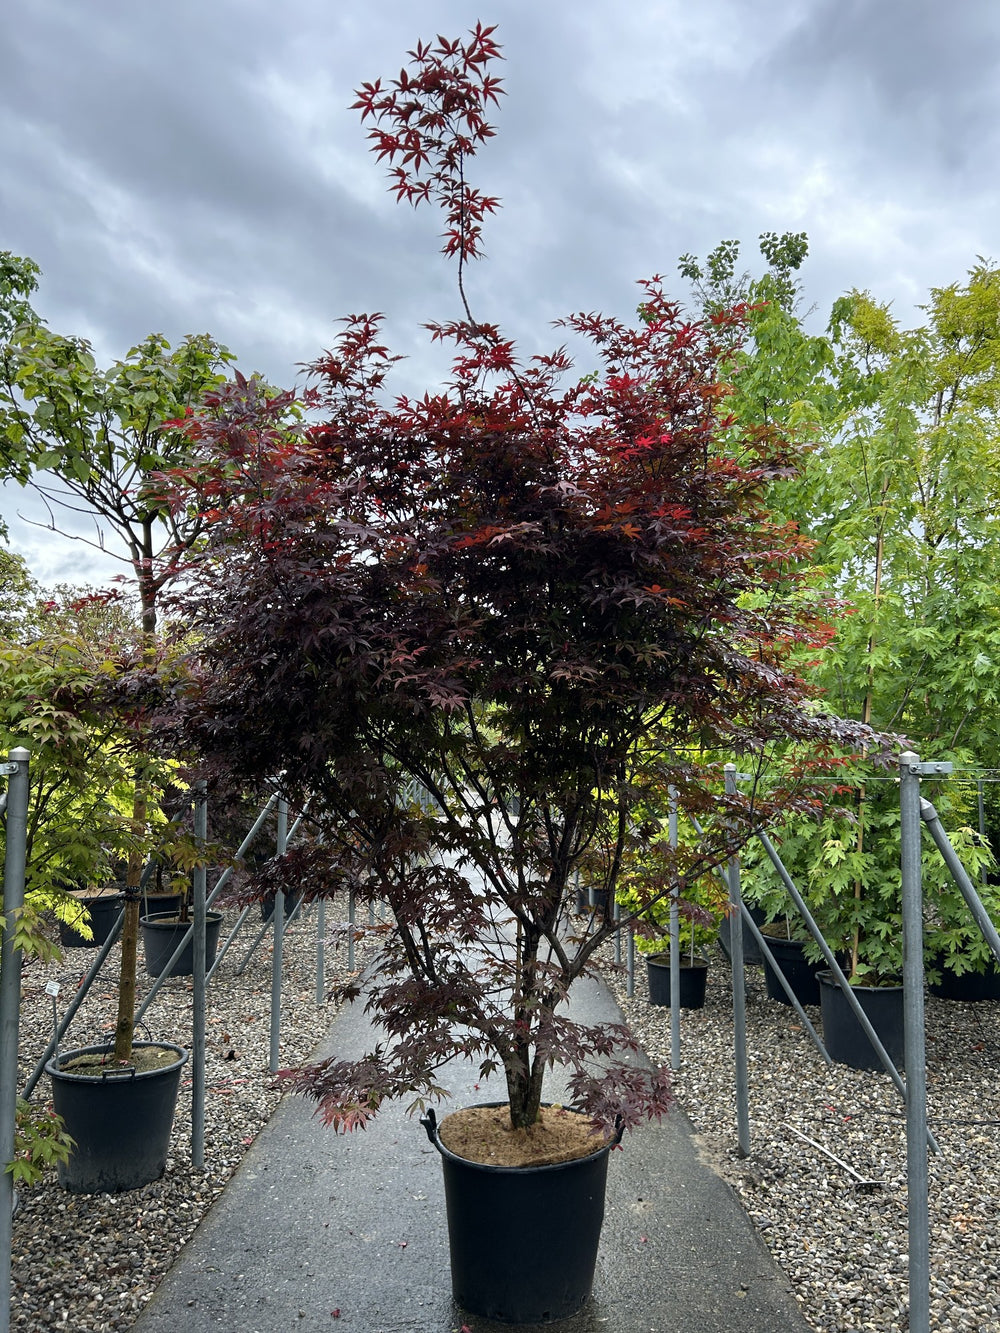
(481, 629)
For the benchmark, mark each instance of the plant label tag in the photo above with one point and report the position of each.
(52, 988)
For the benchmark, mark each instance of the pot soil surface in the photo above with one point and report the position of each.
(483, 1134)
(778, 930)
(143, 1059)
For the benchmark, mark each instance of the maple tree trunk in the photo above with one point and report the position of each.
(125, 1024)
(524, 1087)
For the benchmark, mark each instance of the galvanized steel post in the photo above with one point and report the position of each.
(279, 937)
(913, 1037)
(198, 979)
(779, 975)
(739, 992)
(675, 949)
(847, 990)
(15, 861)
(351, 903)
(321, 951)
(961, 877)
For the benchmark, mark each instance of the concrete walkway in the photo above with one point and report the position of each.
(319, 1231)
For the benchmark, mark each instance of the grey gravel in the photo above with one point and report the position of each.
(89, 1263)
(844, 1247)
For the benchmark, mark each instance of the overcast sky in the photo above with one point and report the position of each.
(191, 166)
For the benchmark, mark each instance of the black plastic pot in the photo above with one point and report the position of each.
(103, 908)
(693, 977)
(800, 974)
(843, 1036)
(751, 949)
(292, 901)
(161, 935)
(969, 986)
(583, 900)
(523, 1239)
(120, 1123)
(161, 904)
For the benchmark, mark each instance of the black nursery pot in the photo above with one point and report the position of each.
(800, 974)
(751, 949)
(120, 1122)
(583, 900)
(969, 986)
(523, 1239)
(161, 935)
(693, 979)
(104, 909)
(845, 1039)
(292, 901)
(161, 904)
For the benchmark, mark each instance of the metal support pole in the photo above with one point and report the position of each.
(675, 947)
(617, 916)
(223, 948)
(321, 951)
(739, 993)
(786, 985)
(961, 877)
(846, 988)
(15, 863)
(351, 905)
(630, 962)
(279, 940)
(183, 943)
(981, 810)
(243, 848)
(913, 1035)
(198, 978)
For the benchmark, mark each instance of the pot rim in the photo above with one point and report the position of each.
(111, 893)
(663, 960)
(111, 1076)
(430, 1124)
(827, 978)
(170, 919)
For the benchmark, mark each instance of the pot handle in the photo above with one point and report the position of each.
(429, 1122)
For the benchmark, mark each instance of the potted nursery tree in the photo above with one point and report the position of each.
(103, 436)
(853, 889)
(700, 912)
(480, 627)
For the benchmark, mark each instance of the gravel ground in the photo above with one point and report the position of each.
(88, 1263)
(843, 1246)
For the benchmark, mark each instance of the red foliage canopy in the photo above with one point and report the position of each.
(542, 598)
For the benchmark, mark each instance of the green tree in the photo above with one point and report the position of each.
(18, 282)
(20, 599)
(903, 503)
(901, 495)
(718, 286)
(98, 441)
(83, 762)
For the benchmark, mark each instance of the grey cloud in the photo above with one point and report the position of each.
(194, 166)
(911, 83)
